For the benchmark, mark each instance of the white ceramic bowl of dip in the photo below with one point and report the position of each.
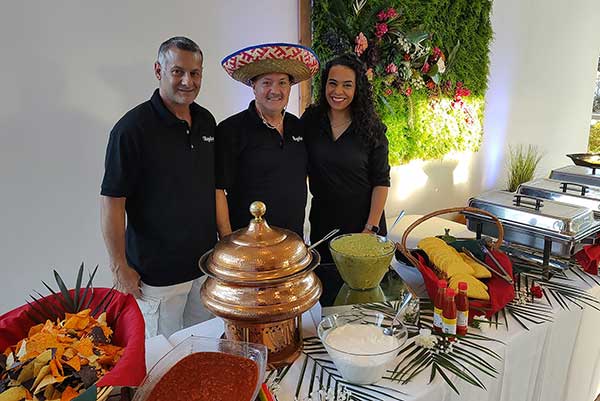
(359, 344)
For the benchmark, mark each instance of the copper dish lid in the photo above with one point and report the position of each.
(258, 253)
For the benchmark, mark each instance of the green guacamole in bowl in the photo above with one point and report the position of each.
(362, 259)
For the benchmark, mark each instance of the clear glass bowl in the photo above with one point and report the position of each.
(362, 272)
(361, 366)
(348, 296)
(194, 344)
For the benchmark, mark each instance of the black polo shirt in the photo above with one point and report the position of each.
(254, 162)
(342, 175)
(165, 169)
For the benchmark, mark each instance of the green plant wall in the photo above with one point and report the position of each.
(424, 122)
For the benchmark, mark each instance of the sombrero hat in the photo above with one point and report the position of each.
(298, 61)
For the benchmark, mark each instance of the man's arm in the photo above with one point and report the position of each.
(112, 216)
(223, 223)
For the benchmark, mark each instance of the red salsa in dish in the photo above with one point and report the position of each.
(208, 376)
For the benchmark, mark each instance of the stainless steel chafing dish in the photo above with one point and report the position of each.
(551, 226)
(577, 174)
(565, 192)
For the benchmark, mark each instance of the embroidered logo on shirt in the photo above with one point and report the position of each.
(297, 138)
(208, 139)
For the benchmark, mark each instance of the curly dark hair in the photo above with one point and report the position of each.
(362, 108)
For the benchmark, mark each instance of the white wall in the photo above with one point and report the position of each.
(70, 70)
(543, 68)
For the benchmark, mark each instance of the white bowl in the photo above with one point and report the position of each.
(364, 359)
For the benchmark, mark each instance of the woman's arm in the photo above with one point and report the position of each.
(378, 198)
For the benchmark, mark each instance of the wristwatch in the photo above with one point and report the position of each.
(372, 228)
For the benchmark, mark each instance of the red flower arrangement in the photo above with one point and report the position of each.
(380, 29)
(406, 60)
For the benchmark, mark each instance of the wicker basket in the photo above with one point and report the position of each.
(500, 291)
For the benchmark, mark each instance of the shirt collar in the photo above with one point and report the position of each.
(257, 119)
(166, 114)
(254, 114)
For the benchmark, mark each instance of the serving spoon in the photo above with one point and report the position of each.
(325, 238)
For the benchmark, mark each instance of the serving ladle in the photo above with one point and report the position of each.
(325, 238)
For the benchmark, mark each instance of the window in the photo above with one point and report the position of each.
(594, 143)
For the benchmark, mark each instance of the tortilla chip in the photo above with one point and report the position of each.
(44, 357)
(85, 347)
(40, 343)
(49, 392)
(69, 353)
(14, 394)
(26, 372)
(47, 380)
(56, 368)
(68, 394)
(75, 363)
(33, 330)
(78, 321)
(45, 370)
(10, 360)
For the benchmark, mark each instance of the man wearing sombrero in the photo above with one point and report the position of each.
(260, 151)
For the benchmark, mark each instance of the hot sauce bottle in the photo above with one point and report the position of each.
(449, 313)
(462, 309)
(438, 305)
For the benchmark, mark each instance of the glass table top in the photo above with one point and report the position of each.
(337, 293)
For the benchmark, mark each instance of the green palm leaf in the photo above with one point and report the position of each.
(65, 293)
(67, 303)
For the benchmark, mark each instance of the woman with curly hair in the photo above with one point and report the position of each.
(349, 173)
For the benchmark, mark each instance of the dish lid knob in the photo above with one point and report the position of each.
(258, 210)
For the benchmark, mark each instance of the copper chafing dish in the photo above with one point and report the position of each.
(260, 281)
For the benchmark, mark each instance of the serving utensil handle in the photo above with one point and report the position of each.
(325, 238)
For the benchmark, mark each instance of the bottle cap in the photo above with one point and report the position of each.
(442, 284)
(462, 286)
(450, 292)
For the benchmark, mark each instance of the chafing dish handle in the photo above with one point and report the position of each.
(537, 204)
(564, 186)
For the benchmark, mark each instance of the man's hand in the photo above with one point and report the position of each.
(126, 279)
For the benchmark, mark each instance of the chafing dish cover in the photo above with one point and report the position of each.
(577, 174)
(565, 192)
(541, 215)
(533, 221)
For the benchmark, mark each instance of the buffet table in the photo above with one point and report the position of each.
(558, 361)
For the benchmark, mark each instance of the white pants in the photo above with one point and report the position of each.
(172, 308)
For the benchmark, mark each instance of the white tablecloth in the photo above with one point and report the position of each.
(554, 361)
(557, 361)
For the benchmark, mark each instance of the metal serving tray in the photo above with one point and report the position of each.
(577, 174)
(554, 227)
(565, 192)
